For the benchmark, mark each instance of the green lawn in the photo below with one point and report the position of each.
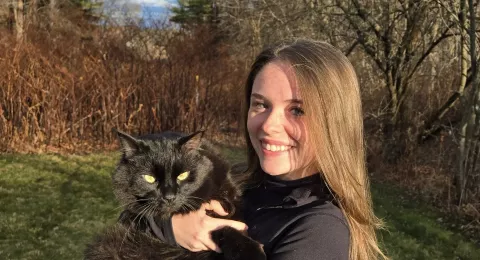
(51, 206)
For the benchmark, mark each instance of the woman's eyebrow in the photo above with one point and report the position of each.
(256, 95)
(294, 100)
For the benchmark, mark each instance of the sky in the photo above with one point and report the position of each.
(146, 9)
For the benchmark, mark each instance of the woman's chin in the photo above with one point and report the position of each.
(275, 169)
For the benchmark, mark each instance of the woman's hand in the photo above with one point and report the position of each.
(192, 231)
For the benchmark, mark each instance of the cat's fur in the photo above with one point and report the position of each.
(165, 156)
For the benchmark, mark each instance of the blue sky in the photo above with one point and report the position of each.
(156, 7)
(147, 9)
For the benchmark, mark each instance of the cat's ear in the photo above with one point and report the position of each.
(192, 141)
(129, 144)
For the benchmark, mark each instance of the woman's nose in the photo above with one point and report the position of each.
(273, 122)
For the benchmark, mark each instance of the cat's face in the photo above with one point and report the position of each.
(163, 175)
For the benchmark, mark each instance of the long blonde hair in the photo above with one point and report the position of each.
(329, 88)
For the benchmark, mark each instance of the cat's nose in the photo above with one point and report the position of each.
(169, 196)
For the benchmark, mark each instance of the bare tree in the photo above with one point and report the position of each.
(52, 9)
(398, 36)
(457, 12)
(19, 9)
(467, 177)
(254, 24)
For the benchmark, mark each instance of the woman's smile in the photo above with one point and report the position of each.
(275, 148)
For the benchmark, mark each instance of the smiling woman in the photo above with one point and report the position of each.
(309, 196)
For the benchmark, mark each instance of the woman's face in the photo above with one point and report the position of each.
(276, 123)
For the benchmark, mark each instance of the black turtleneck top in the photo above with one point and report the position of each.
(296, 220)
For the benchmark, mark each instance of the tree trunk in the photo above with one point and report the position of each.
(11, 16)
(469, 145)
(19, 19)
(32, 12)
(394, 130)
(52, 12)
(460, 174)
(473, 175)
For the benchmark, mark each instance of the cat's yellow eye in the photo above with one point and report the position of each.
(183, 176)
(149, 178)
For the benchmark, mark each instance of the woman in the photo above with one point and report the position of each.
(304, 135)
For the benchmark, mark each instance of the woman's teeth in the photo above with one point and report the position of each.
(276, 148)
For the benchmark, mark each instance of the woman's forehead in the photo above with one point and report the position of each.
(276, 80)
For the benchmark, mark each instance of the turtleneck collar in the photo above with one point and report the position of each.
(274, 192)
(271, 181)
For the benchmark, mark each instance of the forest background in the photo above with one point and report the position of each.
(70, 71)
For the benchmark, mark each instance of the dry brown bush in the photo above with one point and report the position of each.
(62, 90)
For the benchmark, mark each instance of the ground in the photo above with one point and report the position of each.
(51, 206)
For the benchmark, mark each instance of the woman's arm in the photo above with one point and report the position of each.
(319, 237)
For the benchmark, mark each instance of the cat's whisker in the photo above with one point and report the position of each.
(195, 203)
(193, 197)
(184, 207)
(150, 209)
(133, 223)
(142, 214)
(139, 215)
(129, 203)
(153, 210)
(190, 206)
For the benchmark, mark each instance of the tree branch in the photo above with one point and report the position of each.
(442, 37)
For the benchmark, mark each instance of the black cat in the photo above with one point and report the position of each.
(165, 174)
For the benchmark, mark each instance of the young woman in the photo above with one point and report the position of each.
(304, 134)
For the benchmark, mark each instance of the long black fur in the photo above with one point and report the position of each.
(165, 156)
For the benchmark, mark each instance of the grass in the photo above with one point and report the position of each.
(414, 231)
(52, 205)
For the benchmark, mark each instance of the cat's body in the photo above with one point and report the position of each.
(165, 174)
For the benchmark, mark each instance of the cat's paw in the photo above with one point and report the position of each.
(236, 246)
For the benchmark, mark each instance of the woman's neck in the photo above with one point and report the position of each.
(298, 174)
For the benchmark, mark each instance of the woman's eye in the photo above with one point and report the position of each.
(296, 111)
(258, 105)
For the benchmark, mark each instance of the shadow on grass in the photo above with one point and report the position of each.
(52, 205)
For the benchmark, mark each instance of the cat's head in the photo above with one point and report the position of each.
(166, 173)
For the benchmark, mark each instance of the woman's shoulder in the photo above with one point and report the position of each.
(323, 217)
(326, 218)
(328, 210)
(320, 230)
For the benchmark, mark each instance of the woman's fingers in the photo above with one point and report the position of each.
(192, 230)
(197, 248)
(216, 207)
(219, 223)
(212, 246)
(212, 224)
(202, 239)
